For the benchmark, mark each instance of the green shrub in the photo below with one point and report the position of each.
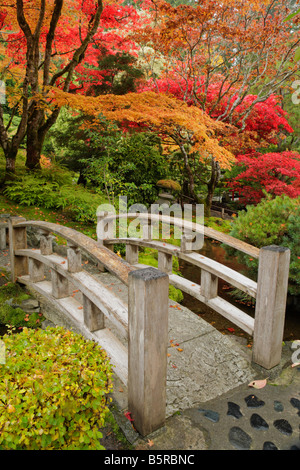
(272, 222)
(54, 190)
(53, 391)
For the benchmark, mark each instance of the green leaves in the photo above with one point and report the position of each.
(272, 221)
(53, 391)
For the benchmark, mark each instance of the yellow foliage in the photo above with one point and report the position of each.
(176, 122)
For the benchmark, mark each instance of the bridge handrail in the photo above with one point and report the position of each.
(145, 319)
(112, 262)
(189, 226)
(270, 290)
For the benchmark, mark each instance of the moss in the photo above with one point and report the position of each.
(15, 316)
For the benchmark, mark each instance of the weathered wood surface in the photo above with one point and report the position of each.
(73, 311)
(273, 275)
(92, 288)
(3, 230)
(147, 348)
(192, 226)
(111, 261)
(215, 268)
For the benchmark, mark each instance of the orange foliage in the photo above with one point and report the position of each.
(177, 123)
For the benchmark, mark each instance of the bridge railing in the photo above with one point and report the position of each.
(270, 290)
(141, 360)
(137, 352)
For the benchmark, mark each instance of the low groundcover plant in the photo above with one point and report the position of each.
(54, 391)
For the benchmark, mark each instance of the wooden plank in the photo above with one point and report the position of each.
(111, 305)
(229, 275)
(233, 314)
(147, 348)
(72, 309)
(224, 308)
(194, 227)
(273, 274)
(111, 261)
(116, 351)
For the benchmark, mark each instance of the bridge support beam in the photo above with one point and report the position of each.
(93, 317)
(147, 348)
(17, 241)
(272, 284)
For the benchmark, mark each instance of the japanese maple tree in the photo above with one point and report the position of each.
(180, 127)
(46, 44)
(231, 45)
(272, 173)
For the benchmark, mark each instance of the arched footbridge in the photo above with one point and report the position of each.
(134, 327)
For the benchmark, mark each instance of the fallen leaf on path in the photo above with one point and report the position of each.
(258, 383)
(128, 416)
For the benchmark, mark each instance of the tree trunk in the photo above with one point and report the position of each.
(211, 186)
(34, 140)
(190, 175)
(33, 155)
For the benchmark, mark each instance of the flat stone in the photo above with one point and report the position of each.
(269, 446)
(253, 402)
(283, 426)
(278, 406)
(210, 414)
(30, 304)
(234, 410)
(258, 422)
(295, 403)
(239, 438)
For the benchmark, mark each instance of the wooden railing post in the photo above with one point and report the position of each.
(147, 348)
(3, 227)
(46, 239)
(272, 284)
(132, 254)
(165, 262)
(105, 228)
(74, 258)
(209, 285)
(17, 241)
(93, 317)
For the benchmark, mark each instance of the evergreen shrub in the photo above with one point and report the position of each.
(272, 222)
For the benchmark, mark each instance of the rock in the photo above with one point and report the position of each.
(258, 422)
(239, 439)
(283, 426)
(234, 410)
(30, 305)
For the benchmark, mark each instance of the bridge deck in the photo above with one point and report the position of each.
(202, 362)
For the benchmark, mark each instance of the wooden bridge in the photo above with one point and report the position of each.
(137, 339)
